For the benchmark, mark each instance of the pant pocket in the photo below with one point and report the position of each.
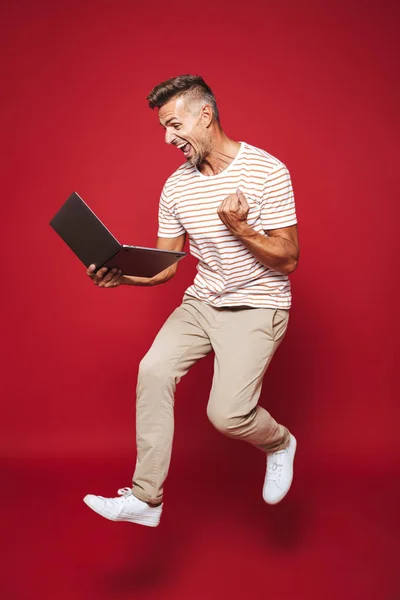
(280, 319)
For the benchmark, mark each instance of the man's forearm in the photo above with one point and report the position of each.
(162, 277)
(276, 253)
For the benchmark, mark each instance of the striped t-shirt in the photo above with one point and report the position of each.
(228, 274)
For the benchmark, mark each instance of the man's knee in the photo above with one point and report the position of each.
(219, 419)
(226, 422)
(154, 372)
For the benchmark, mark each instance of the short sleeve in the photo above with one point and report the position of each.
(277, 204)
(169, 225)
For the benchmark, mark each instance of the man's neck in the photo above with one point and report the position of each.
(222, 153)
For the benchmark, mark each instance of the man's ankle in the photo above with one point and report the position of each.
(150, 504)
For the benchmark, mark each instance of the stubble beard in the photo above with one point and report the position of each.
(201, 153)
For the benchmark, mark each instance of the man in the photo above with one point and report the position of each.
(235, 202)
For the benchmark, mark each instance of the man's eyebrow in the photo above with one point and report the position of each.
(169, 121)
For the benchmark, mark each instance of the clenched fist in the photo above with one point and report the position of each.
(233, 211)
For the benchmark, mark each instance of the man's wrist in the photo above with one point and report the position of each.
(138, 281)
(127, 280)
(244, 232)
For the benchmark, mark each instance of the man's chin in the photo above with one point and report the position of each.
(194, 161)
(197, 160)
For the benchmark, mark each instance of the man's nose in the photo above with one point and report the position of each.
(169, 137)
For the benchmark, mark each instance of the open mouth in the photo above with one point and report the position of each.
(185, 147)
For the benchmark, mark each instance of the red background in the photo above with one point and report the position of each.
(313, 83)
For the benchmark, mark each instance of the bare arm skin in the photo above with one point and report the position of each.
(172, 244)
(279, 251)
(114, 278)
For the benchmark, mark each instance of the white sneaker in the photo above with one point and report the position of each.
(125, 508)
(279, 475)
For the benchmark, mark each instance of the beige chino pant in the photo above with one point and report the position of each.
(244, 340)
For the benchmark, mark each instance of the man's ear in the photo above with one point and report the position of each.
(206, 114)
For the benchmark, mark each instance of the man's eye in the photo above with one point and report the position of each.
(176, 126)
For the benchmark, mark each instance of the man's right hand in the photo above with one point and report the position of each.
(108, 278)
(111, 278)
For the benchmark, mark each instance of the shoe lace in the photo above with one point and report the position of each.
(125, 491)
(274, 469)
(122, 494)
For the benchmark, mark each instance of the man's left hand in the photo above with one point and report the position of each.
(233, 211)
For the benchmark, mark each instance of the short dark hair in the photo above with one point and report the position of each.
(192, 86)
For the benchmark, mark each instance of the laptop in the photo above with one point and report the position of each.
(93, 243)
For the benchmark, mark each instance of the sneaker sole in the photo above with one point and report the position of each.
(138, 519)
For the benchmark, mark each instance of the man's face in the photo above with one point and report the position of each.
(186, 130)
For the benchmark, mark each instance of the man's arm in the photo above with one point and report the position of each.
(279, 251)
(110, 278)
(172, 244)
